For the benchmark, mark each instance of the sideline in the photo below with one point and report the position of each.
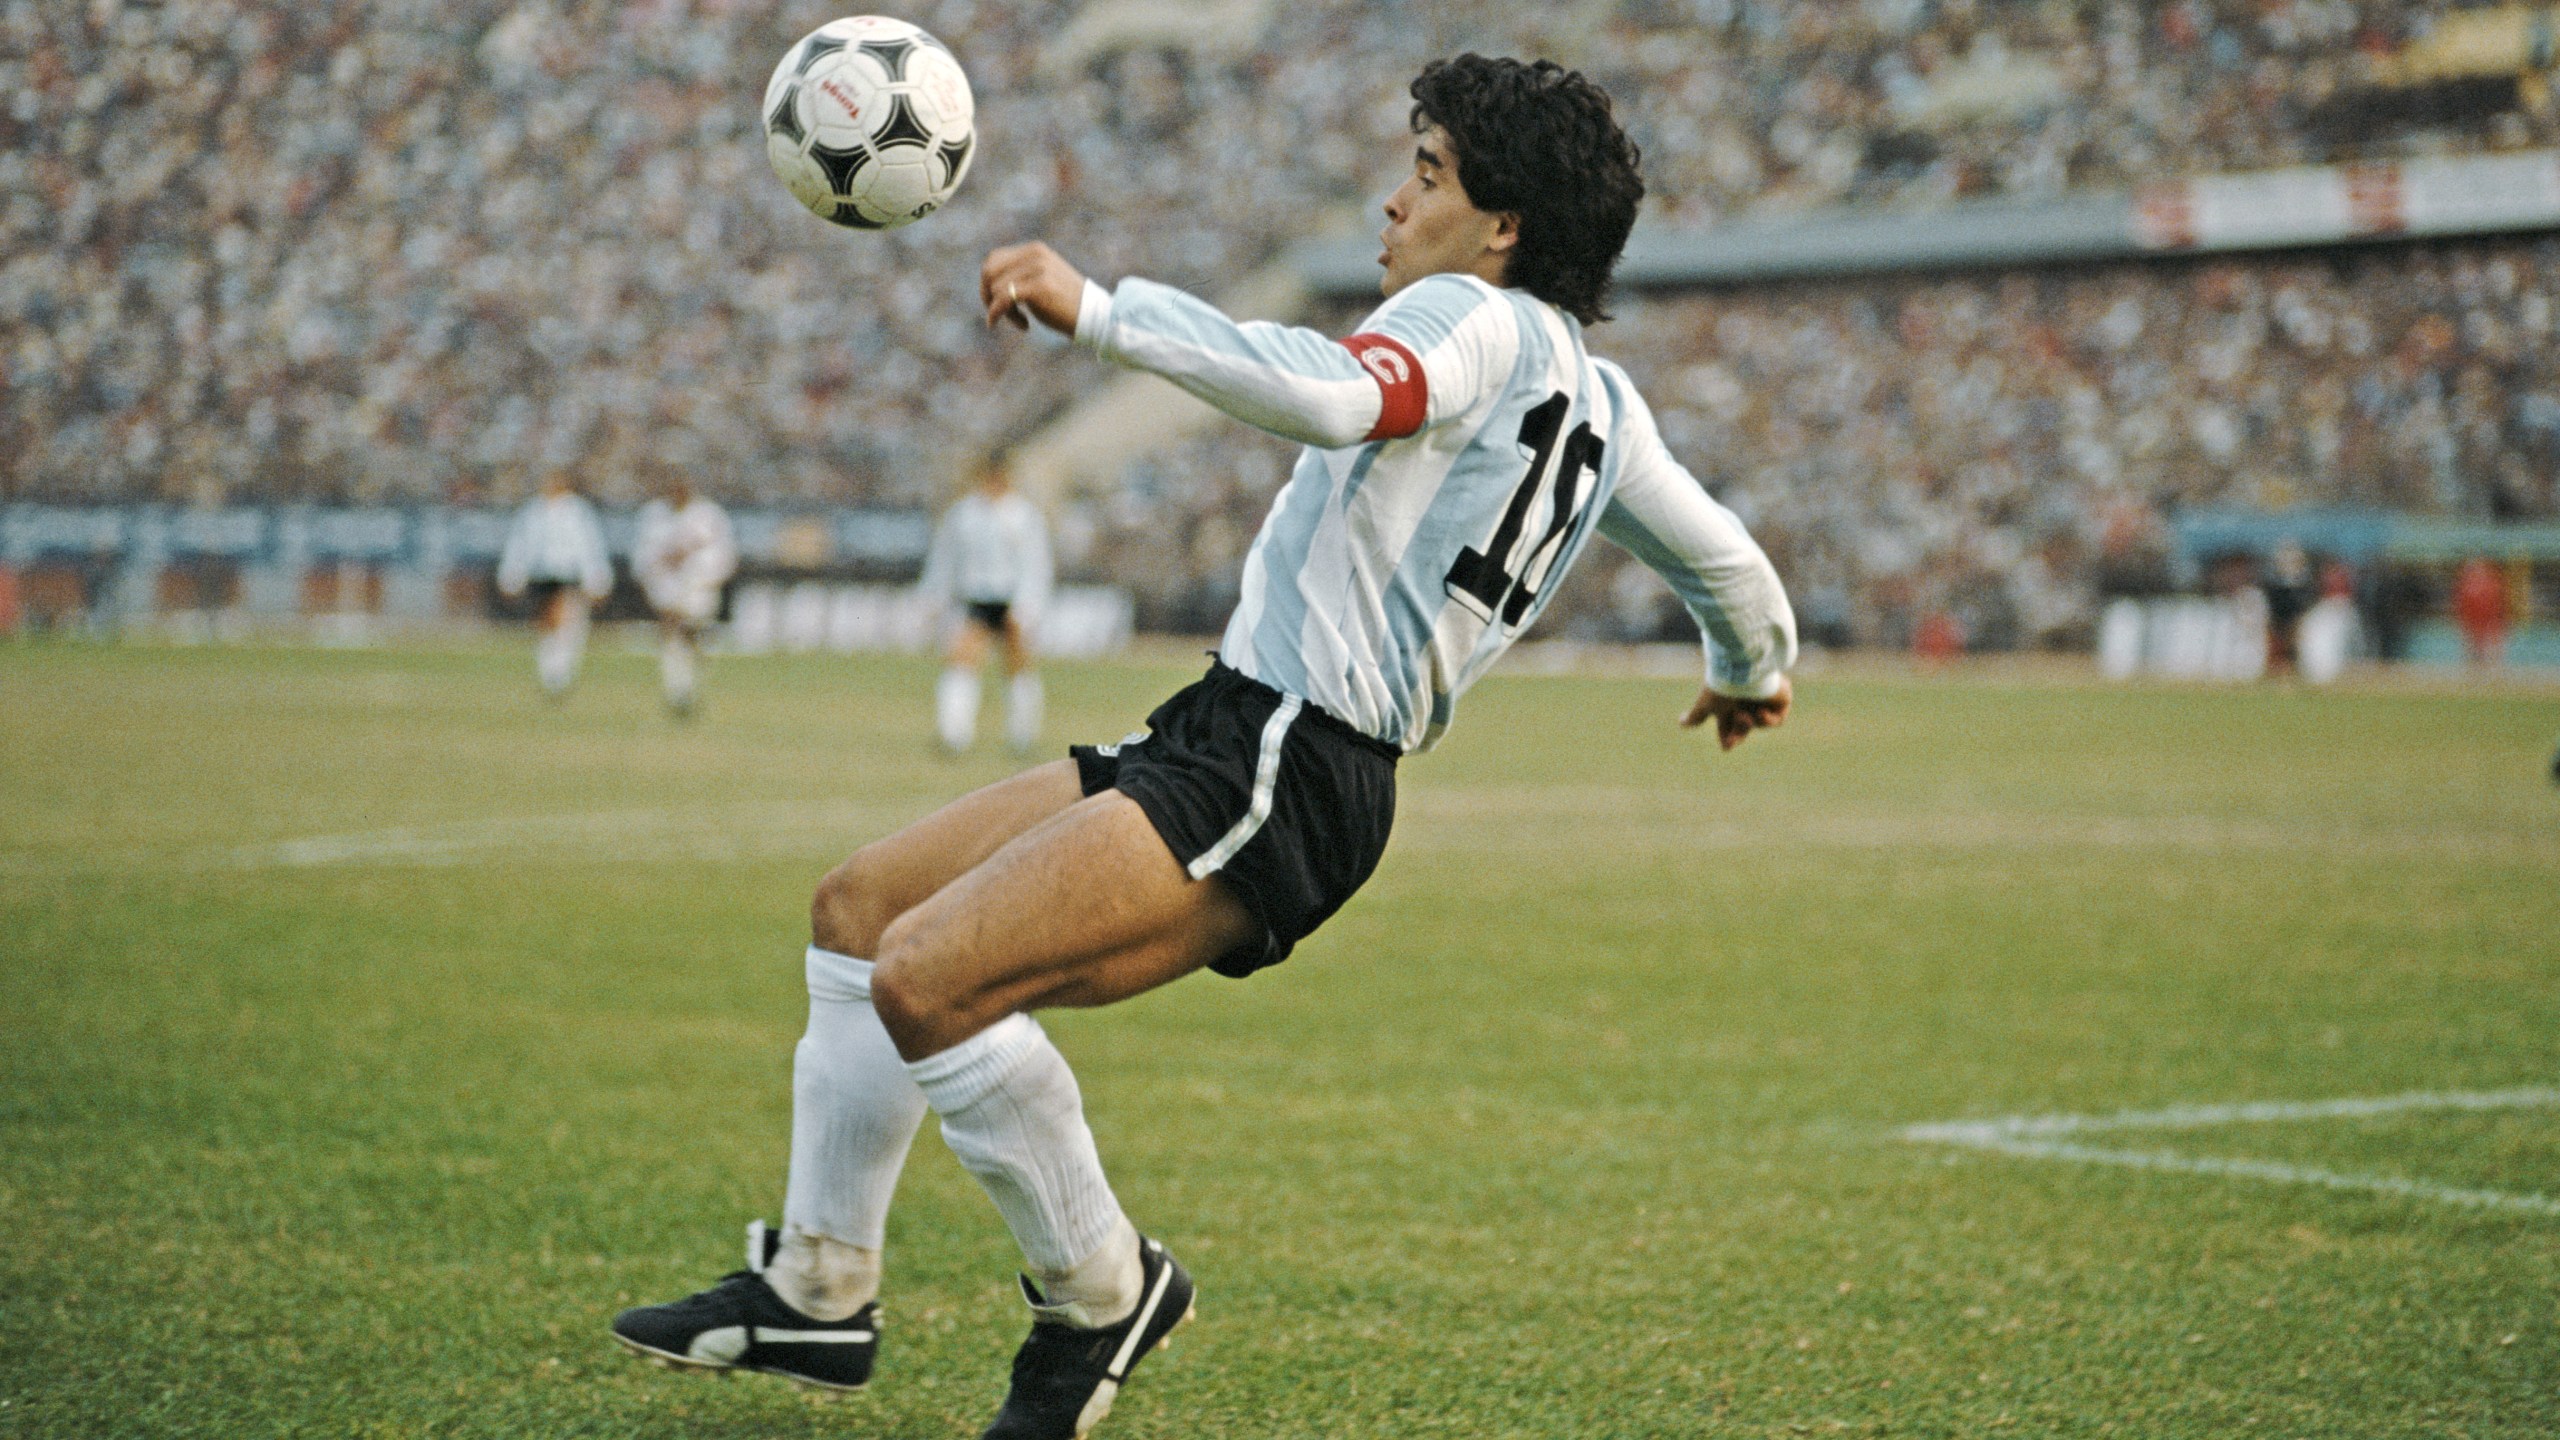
(2029, 1137)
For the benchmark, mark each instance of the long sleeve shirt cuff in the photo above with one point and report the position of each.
(1766, 686)
(1093, 315)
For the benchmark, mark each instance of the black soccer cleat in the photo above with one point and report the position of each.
(740, 1324)
(1065, 1379)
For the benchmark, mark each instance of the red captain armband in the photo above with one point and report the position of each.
(1404, 398)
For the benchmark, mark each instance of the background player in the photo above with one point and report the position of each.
(991, 554)
(683, 555)
(555, 555)
(1460, 451)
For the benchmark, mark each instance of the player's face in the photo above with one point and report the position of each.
(1433, 228)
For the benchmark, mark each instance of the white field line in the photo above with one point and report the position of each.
(708, 833)
(2029, 1137)
(2197, 1117)
(2270, 1170)
(1470, 819)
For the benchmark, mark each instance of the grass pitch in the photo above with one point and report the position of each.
(371, 1030)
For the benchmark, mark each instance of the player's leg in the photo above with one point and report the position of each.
(553, 663)
(574, 613)
(1087, 908)
(678, 669)
(955, 696)
(1023, 697)
(854, 1107)
(804, 1307)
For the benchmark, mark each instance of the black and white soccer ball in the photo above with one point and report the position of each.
(870, 122)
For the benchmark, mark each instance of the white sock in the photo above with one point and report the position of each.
(955, 708)
(551, 661)
(676, 668)
(556, 658)
(1011, 1111)
(1022, 710)
(853, 1113)
(573, 637)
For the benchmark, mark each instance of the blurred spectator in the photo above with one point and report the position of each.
(1938, 638)
(2480, 610)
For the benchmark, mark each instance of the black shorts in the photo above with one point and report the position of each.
(991, 613)
(538, 595)
(1286, 804)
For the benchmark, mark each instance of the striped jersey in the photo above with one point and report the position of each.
(1461, 449)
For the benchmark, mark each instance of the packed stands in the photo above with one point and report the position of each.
(410, 252)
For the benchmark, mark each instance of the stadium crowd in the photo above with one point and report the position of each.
(416, 250)
(2003, 449)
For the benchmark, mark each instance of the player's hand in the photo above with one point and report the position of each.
(1023, 283)
(1736, 718)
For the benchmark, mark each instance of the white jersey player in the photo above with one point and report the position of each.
(683, 554)
(990, 556)
(1462, 449)
(555, 554)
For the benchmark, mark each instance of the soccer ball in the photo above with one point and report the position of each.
(870, 122)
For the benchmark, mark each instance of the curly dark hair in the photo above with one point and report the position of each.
(1539, 141)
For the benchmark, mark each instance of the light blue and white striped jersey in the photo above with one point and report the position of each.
(1462, 447)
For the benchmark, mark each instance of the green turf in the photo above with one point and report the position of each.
(370, 1030)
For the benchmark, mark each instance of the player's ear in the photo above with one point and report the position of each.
(1506, 232)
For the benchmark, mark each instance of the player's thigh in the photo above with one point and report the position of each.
(890, 876)
(1016, 649)
(1086, 908)
(968, 644)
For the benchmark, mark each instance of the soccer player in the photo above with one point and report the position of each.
(555, 553)
(991, 553)
(683, 555)
(1461, 449)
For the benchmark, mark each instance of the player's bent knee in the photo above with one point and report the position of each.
(916, 1015)
(925, 1007)
(852, 908)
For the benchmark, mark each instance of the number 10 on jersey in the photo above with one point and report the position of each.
(1497, 582)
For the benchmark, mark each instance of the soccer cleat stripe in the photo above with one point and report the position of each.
(1146, 1313)
(1266, 773)
(1404, 395)
(759, 1335)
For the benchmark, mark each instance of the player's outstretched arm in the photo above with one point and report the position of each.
(1424, 356)
(1661, 514)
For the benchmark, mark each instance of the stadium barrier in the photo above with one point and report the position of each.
(346, 575)
(2406, 566)
(807, 616)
